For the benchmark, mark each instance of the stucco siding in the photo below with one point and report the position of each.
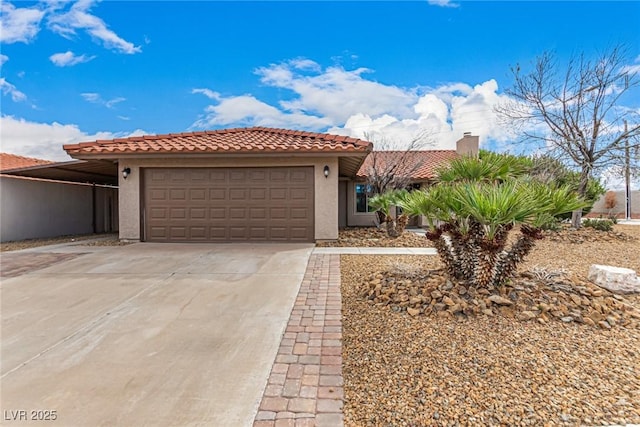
(357, 219)
(325, 189)
(33, 208)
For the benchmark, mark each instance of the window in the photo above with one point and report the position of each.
(362, 198)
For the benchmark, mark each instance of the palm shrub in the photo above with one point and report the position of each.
(383, 203)
(473, 210)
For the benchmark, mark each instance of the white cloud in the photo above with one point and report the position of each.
(208, 93)
(443, 3)
(95, 98)
(19, 24)
(347, 102)
(335, 93)
(633, 68)
(9, 89)
(45, 140)
(79, 18)
(613, 178)
(68, 59)
(91, 97)
(246, 110)
(3, 59)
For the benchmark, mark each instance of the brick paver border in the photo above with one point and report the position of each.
(305, 386)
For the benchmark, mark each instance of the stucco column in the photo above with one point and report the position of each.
(129, 202)
(326, 200)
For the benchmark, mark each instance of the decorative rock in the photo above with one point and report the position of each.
(413, 311)
(526, 315)
(614, 279)
(604, 325)
(497, 299)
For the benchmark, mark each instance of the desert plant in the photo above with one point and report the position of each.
(383, 203)
(469, 219)
(598, 224)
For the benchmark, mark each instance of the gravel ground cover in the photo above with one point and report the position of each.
(109, 239)
(434, 369)
(375, 237)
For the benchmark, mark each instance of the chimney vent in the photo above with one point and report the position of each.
(466, 134)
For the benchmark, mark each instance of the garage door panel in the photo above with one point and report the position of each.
(258, 194)
(177, 194)
(218, 233)
(237, 213)
(178, 213)
(158, 232)
(198, 213)
(299, 194)
(237, 194)
(197, 194)
(258, 213)
(228, 204)
(218, 176)
(158, 214)
(278, 194)
(218, 194)
(178, 175)
(177, 232)
(198, 233)
(158, 194)
(298, 213)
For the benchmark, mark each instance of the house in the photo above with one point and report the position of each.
(234, 185)
(417, 169)
(40, 198)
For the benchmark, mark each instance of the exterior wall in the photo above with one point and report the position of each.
(34, 208)
(342, 203)
(620, 210)
(325, 189)
(357, 219)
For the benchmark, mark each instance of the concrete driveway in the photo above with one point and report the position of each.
(145, 334)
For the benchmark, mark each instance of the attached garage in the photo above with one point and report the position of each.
(228, 204)
(232, 185)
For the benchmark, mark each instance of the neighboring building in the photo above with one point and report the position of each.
(39, 198)
(247, 184)
(620, 209)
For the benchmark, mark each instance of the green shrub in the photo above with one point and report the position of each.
(598, 224)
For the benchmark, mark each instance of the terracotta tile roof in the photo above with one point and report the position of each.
(12, 161)
(233, 141)
(419, 165)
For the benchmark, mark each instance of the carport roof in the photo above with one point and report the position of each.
(91, 171)
(255, 140)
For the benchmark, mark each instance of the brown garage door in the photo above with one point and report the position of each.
(228, 204)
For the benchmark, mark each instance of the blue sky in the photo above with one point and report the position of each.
(77, 71)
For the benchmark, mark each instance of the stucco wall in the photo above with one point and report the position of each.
(325, 200)
(619, 210)
(32, 208)
(357, 219)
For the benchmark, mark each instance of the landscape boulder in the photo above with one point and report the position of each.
(615, 279)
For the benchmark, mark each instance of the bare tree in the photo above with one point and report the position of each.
(389, 168)
(576, 112)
